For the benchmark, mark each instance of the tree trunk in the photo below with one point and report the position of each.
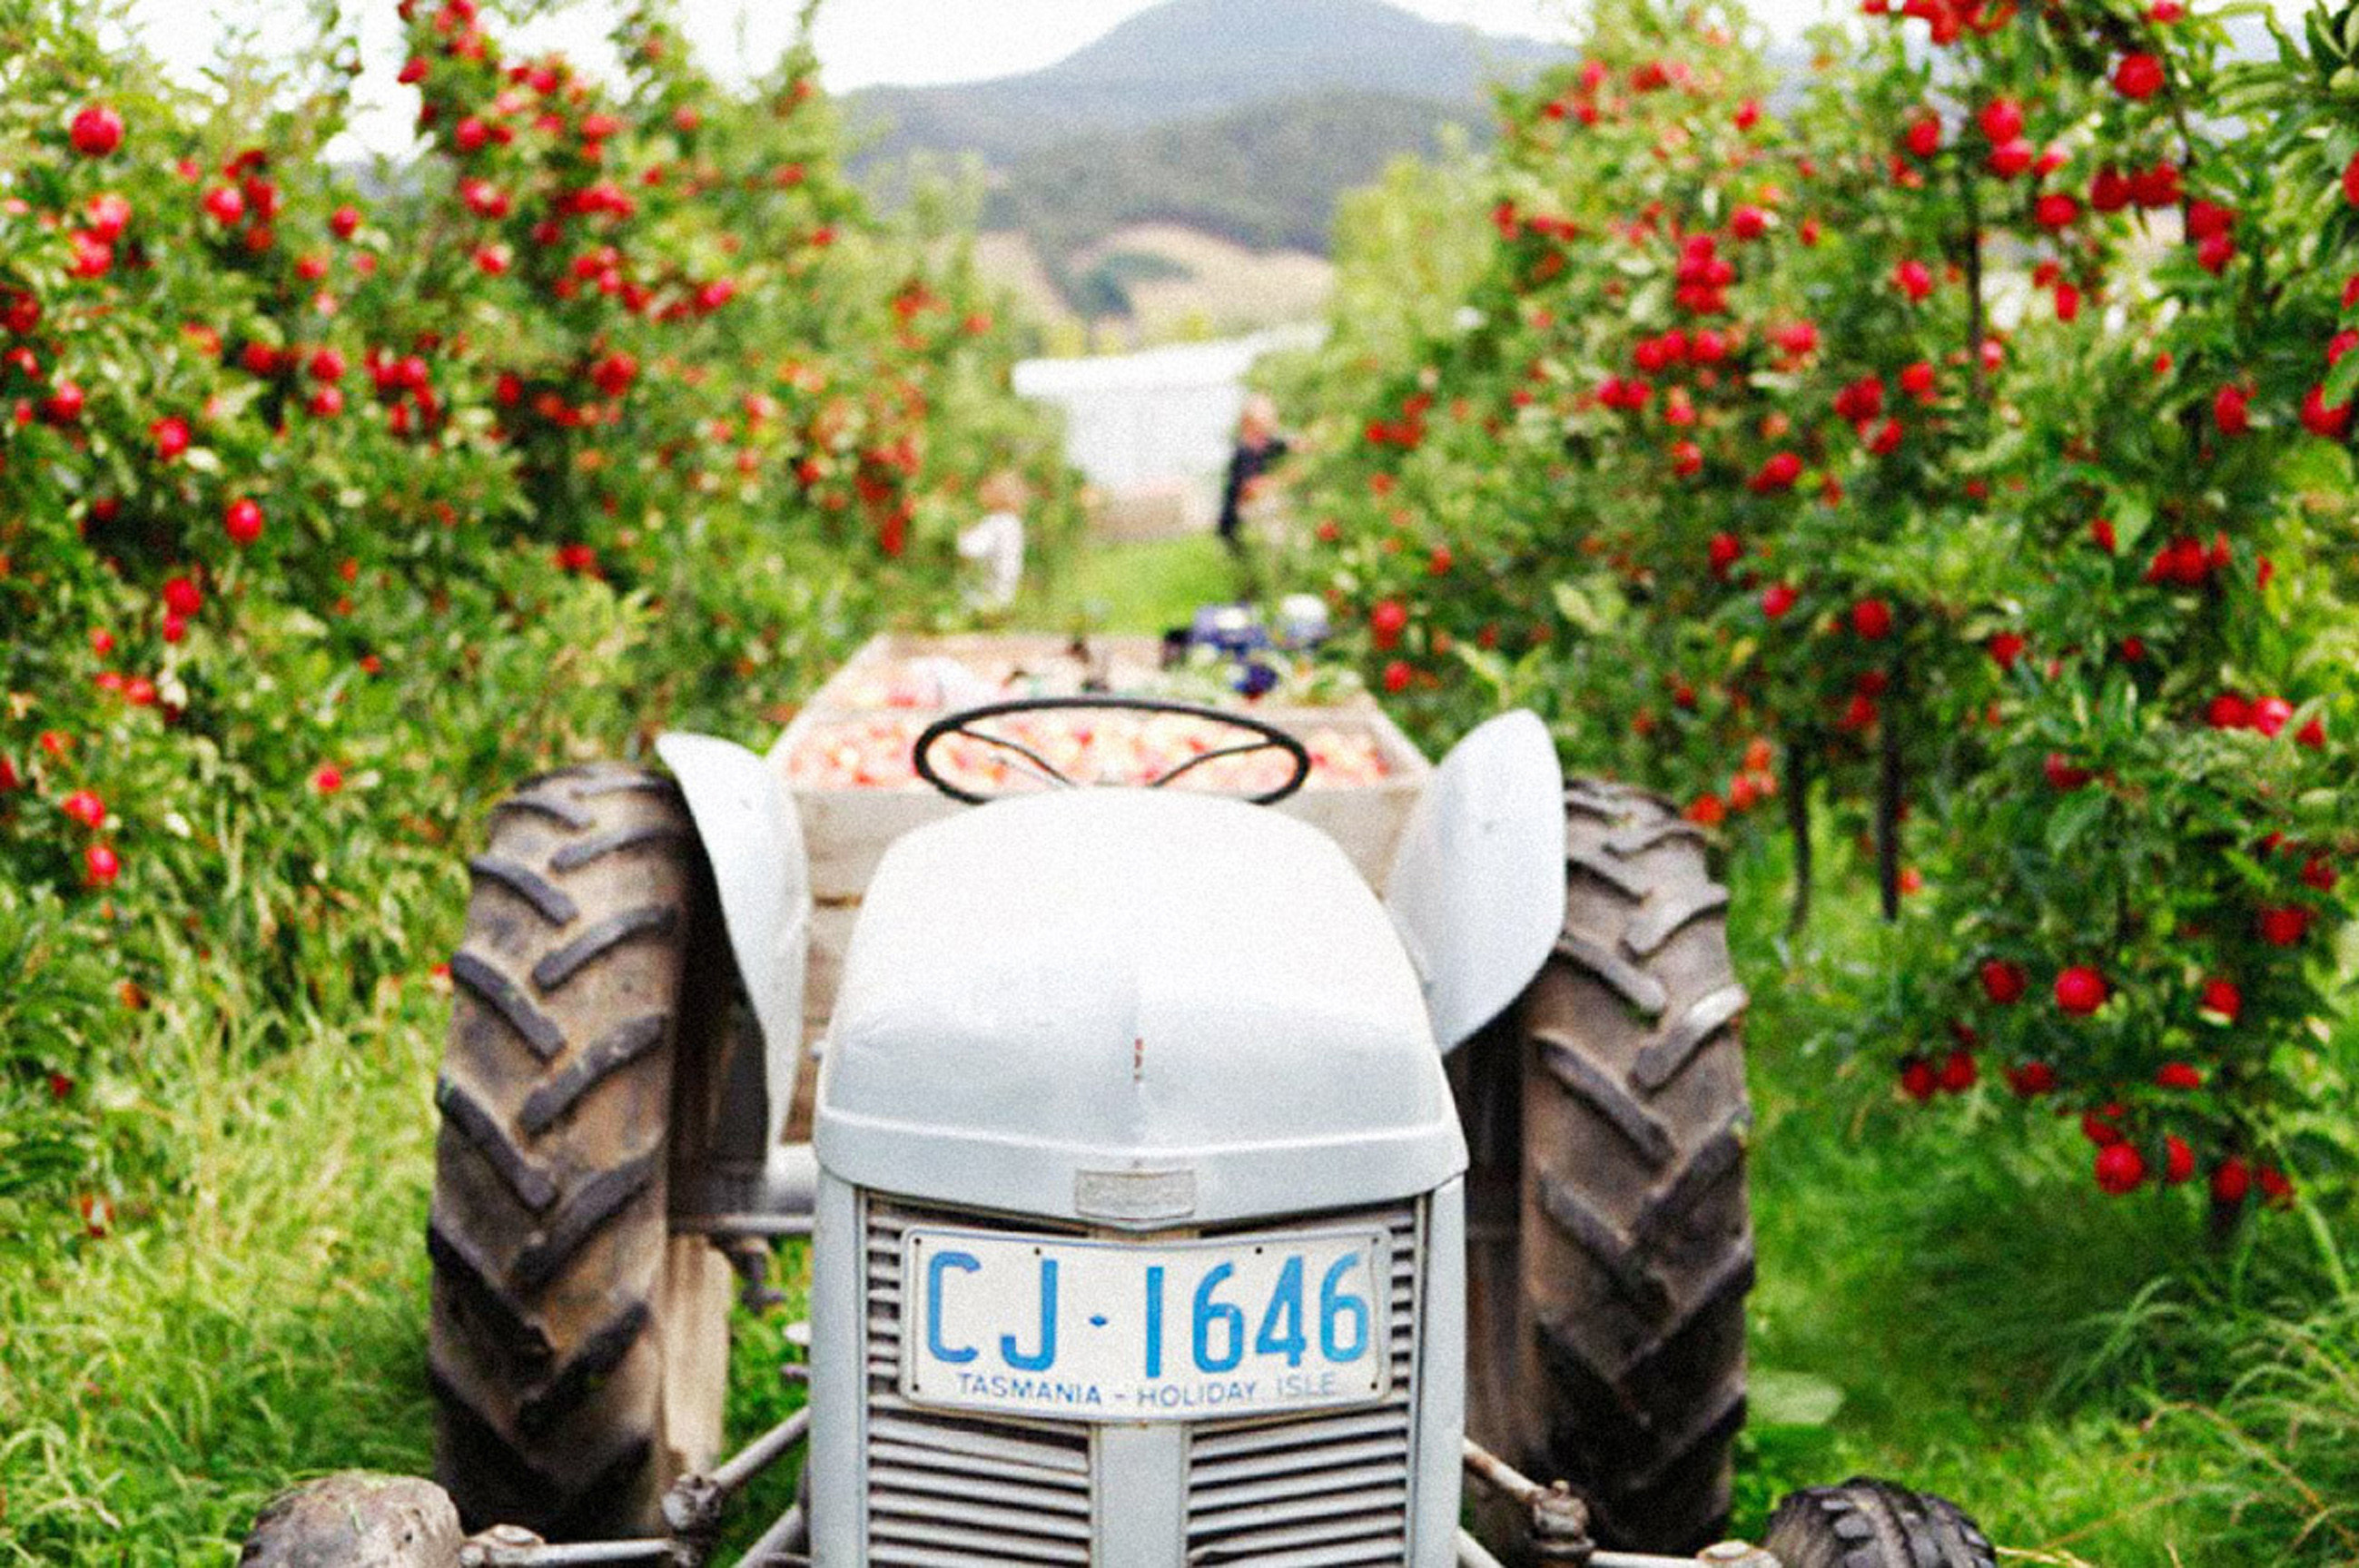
(1888, 794)
(1797, 824)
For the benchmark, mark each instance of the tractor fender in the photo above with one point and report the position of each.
(1477, 886)
(753, 838)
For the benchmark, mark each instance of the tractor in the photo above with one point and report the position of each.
(1275, 1150)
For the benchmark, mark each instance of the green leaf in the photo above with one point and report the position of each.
(1791, 1398)
(2132, 515)
(1594, 609)
(2074, 818)
(2343, 381)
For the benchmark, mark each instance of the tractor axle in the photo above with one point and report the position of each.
(1557, 1527)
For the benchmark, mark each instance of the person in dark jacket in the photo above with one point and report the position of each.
(1258, 448)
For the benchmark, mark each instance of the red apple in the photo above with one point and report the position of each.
(97, 130)
(2062, 774)
(2009, 158)
(2120, 1169)
(2055, 210)
(110, 214)
(2138, 77)
(2320, 421)
(2031, 1079)
(2284, 925)
(2002, 120)
(1776, 474)
(242, 520)
(2080, 990)
(2002, 982)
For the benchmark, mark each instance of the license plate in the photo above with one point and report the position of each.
(1110, 1331)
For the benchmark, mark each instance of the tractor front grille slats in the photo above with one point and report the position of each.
(1309, 1491)
(949, 1489)
(952, 1490)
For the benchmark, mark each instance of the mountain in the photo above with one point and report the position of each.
(1264, 177)
(1239, 120)
(1194, 58)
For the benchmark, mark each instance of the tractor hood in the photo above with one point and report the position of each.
(1131, 1008)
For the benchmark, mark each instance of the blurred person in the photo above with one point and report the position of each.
(1258, 448)
(995, 542)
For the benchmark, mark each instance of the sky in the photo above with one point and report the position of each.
(861, 42)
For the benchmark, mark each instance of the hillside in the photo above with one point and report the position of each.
(1240, 120)
(1264, 177)
(1192, 58)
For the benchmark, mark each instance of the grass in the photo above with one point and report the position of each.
(262, 1321)
(1140, 588)
(2082, 1373)
(2078, 1371)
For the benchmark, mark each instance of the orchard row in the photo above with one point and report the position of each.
(1963, 453)
(333, 503)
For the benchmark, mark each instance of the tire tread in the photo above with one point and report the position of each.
(1634, 1255)
(1870, 1523)
(548, 1231)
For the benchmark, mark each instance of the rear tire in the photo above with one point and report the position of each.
(1611, 1249)
(578, 1352)
(1874, 1524)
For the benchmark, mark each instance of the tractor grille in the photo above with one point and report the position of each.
(1320, 1489)
(949, 1489)
(946, 1487)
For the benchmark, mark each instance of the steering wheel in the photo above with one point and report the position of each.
(1267, 738)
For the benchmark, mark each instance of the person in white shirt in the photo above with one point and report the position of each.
(996, 542)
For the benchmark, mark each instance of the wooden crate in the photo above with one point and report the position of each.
(846, 832)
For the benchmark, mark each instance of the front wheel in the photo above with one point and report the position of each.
(356, 1518)
(1610, 1248)
(578, 1352)
(1874, 1524)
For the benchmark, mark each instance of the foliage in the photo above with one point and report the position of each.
(1904, 458)
(331, 508)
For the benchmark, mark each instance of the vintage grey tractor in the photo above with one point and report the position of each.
(1226, 1166)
